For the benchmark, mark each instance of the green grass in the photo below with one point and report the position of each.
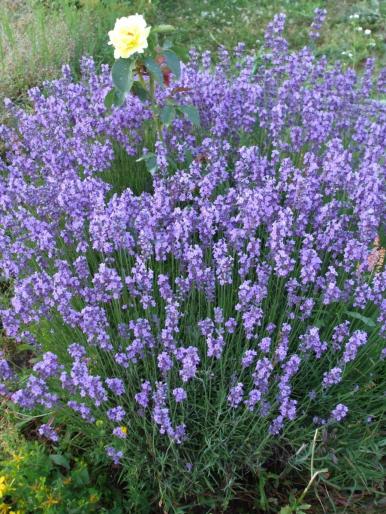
(37, 38)
(207, 24)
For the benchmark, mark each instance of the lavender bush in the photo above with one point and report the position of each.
(194, 324)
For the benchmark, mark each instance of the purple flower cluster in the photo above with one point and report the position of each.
(257, 227)
(316, 25)
(48, 432)
(339, 412)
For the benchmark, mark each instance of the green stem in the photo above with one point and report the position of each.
(157, 121)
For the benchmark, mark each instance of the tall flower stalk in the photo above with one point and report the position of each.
(141, 65)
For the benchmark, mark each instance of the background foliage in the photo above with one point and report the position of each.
(38, 36)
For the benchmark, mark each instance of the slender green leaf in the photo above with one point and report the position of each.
(367, 321)
(23, 347)
(167, 115)
(191, 113)
(122, 74)
(173, 62)
(154, 69)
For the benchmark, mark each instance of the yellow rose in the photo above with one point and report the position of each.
(129, 36)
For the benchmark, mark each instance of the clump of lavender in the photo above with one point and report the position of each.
(231, 302)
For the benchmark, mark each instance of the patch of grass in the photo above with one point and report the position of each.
(206, 24)
(37, 38)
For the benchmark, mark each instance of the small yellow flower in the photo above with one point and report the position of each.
(51, 500)
(4, 488)
(124, 429)
(4, 508)
(129, 36)
(17, 457)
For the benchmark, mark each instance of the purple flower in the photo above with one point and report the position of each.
(142, 398)
(334, 376)
(206, 327)
(311, 342)
(48, 432)
(3, 390)
(277, 425)
(6, 372)
(120, 432)
(339, 412)
(107, 284)
(215, 346)
(270, 328)
(248, 358)
(83, 410)
(76, 351)
(235, 396)
(262, 373)
(49, 366)
(291, 367)
(116, 385)
(161, 415)
(165, 363)
(190, 360)
(310, 261)
(253, 398)
(318, 421)
(115, 455)
(116, 413)
(319, 17)
(265, 344)
(179, 394)
(340, 332)
(230, 325)
(358, 339)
